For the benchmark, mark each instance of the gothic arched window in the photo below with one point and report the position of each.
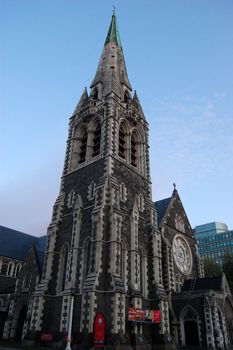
(63, 269)
(96, 139)
(122, 192)
(122, 141)
(87, 257)
(10, 269)
(134, 149)
(95, 93)
(17, 269)
(141, 202)
(91, 190)
(83, 145)
(126, 96)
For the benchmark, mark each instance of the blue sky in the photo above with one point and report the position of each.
(179, 56)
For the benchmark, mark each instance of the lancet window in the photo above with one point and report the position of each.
(17, 269)
(87, 257)
(95, 93)
(126, 97)
(96, 140)
(141, 202)
(86, 143)
(91, 190)
(130, 146)
(122, 141)
(83, 146)
(64, 263)
(10, 269)
(134, 149)
(122, 192)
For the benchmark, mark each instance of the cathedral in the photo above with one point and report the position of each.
(119, 270)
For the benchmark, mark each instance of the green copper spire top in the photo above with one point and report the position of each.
(111, 72)
(113, 32)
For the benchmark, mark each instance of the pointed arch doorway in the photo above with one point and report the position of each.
(191, 333)
(20, 323)
(189, 327)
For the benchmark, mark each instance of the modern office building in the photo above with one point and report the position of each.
(215, 240)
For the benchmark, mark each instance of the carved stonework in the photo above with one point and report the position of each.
(182, 254)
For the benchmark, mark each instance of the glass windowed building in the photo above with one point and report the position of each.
(214, 240)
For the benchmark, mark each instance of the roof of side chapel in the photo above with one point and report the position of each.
(15, 244)
(161, 207)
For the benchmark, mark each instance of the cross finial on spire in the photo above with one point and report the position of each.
(174, 186)
(113, 9)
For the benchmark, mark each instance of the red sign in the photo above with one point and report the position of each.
(140, 315)
(99, 330)
(157, 316)
(46, 337)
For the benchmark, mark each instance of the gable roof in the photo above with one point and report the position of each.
(161, 207)
(15, 244)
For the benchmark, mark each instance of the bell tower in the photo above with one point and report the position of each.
(104, 246)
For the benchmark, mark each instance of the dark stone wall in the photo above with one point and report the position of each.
(196, 303)
(29, 275)
(6, 281)
(170, 231)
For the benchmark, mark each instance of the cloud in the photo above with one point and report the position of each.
(192, 138)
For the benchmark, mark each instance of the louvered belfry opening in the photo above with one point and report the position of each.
(122, 141)
(134, 150)
(96, 140)
(83, 146)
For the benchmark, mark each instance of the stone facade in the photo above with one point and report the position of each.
(19, 313)
(201, 309)
(109, 247)
(14, 246)
(18, 280)
(103, 240)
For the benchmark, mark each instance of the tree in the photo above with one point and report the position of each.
(228, 266)
(228, 269)
(211, 268)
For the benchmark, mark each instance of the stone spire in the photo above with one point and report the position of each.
(111, 74)
(83, 98)
(137, 104)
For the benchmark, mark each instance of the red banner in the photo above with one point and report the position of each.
(140, 315)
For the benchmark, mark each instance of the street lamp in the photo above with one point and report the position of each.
(68, 342)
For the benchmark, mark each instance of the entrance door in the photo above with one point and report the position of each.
(191, 333)
(20, 323)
